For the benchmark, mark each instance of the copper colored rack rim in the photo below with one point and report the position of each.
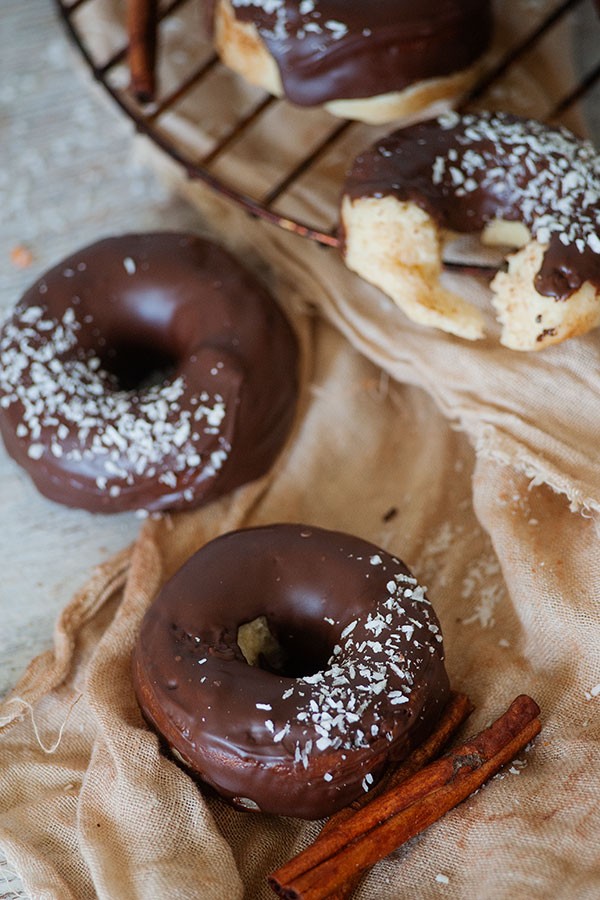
(145, 117)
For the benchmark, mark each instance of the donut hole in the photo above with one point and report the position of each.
(288, 652)
(137, 366)
(259, 645)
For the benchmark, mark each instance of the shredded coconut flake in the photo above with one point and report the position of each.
(554, 176)
(67, 401)
(370, 672)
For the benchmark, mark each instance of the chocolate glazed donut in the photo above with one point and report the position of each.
(333, 49)
(357, 676)
(374, 62)
(467, 171)
(523, 184)
(82, 407)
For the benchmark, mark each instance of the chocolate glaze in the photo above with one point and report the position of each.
(468, 170)
(81, 334)
(364, 679)
(333, 49)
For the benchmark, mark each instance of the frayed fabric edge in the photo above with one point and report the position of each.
(489, 444)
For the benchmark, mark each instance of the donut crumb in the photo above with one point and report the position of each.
(21, 256)
(257, 642)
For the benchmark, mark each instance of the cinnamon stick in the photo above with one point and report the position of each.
(142, 19)
(457, 709)
(404, 811)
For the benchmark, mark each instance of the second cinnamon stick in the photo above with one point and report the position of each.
(457, 709)
(401, 813)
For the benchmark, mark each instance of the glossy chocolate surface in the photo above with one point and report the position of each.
(363, 677)
(467, 170)
(82, 407)
(334, 49)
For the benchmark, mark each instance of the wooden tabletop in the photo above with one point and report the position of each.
(68, 177)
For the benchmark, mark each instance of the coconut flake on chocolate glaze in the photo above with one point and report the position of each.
(520, 182)
(146, 372)
(399, 55)
(356, 676)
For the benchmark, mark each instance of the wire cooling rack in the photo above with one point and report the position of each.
(314, 146)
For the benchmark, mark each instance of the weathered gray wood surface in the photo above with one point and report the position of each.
(67, 177)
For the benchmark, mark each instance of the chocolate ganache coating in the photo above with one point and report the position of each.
(362, 677)
(468, 170)
(338, 49)
(82, 407)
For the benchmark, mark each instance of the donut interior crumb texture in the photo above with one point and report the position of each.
(259, 645)
(520, 183)
(139, 374)
(286, 664)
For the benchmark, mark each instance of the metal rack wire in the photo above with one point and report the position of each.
(269, 203)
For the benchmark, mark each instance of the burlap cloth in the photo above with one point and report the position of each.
(479, 467)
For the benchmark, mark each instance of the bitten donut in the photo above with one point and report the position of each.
(369, 61)
(521, 183)
(285, 665)
(146, 372)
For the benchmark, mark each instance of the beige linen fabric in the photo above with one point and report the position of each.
(478, 466)
(513, 574)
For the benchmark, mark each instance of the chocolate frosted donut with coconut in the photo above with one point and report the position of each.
(374, 62)
(286, 665)
(521, 183)
(146, 372)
